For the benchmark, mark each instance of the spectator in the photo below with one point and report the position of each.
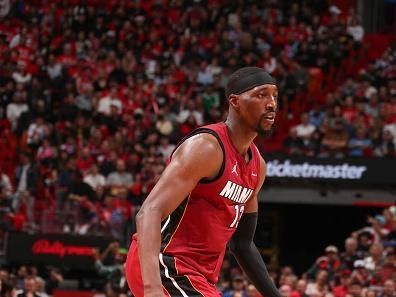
(16, 108)
(329, 263)
(384, 147)
(165, 148)
(360, 144)
(54, 280)
(94, 178)
(5, 184)
(316, 116)
(370, 293)
(360, 273)
(105, 103)
(320, 287)
(114, 273)
(30, 288)
(190, 112)
(40, 287)
(36, 131)
(375, 257)
(20, 75)
(293, 144)
(251, 291)
(237, 287)
(285, 290)
(301, 288)
(120, 177)
(349, 256)
(46, 152)
(205, 76)
(305, 130)
(54, 69)
(210, 99)
(84, 161)
(356, 31)
(342, 289)
(26, 178)
(82, 195)
(355, 289)
(388, 289)
(334, 142)
(114, 216)
(391, 127)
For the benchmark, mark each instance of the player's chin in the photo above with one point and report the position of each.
(266, 125)
(265, 132)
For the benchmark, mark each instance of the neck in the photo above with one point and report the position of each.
(240, 136)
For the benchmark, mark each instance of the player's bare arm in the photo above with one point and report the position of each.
(244, 249)
(198, 157)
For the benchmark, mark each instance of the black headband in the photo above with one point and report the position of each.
(247, 78)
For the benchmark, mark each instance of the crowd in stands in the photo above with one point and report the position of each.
(95, 94)
(358, 119)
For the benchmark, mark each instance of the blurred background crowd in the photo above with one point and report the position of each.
(95, 94)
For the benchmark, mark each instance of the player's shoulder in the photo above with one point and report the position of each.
(203, 144)
(200, 155)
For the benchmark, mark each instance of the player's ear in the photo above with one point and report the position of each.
(234, 101)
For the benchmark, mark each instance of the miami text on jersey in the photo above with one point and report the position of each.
(236, 192)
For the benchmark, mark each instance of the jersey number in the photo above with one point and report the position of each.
(238, 214)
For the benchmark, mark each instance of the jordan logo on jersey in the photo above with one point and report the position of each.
(234, 169)
(236, 192)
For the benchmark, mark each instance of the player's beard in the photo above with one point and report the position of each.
(261, 131)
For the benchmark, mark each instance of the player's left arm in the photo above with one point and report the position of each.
(244, 249)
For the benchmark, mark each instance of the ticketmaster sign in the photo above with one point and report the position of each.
(369, 171)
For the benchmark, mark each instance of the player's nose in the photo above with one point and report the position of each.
(271, 104)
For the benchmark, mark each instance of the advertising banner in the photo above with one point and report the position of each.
(362, 171)
(64, 250)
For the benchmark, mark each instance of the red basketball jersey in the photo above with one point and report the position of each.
(197, 232)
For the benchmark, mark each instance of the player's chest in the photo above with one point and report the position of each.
(236, 185)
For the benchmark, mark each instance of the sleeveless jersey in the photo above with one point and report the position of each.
(197, 232)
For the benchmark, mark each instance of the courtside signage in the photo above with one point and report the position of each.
(356, 170)
(64, 250)
(276, 168)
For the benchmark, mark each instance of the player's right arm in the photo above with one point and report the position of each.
(198, 157)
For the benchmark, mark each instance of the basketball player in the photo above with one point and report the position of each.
(207, 197)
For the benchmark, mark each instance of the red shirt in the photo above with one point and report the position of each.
(340, 291)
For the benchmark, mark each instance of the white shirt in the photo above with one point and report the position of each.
(106, 102)
(271, 65)
(184, 114)
(392, 129)
(205, 77)
(119, 179)
(54, 70)
(22, 79)
(166, 150)
(6, 183)
(356, 32)
(14, 110)
(22, 185)
(95, 180)
(305, 131)
(33, 130)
